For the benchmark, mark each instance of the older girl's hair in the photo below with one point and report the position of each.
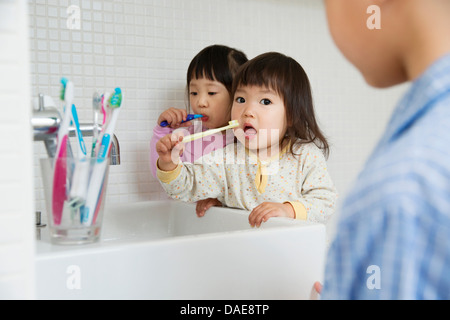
(216, 63)
(286, 76)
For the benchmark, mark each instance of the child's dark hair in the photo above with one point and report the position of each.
(286, 76)
(216, 63)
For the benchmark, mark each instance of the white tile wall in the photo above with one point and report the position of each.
(16, 154)
(145, 47)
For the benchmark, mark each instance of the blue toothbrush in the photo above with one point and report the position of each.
(190, 117)
(90, 210)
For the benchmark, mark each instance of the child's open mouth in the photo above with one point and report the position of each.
(249, 131)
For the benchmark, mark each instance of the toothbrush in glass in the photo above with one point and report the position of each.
(96, 181)
(104, 99)
(59, 194)
(231, 124)
(81, 173)
(96, 102)
(81, 145)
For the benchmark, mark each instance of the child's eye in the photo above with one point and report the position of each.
(266, 102)
(240, 100)
(193, 93)
(212, 93)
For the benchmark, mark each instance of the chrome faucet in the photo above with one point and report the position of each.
(46, 121)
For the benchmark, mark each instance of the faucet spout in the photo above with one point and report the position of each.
(46, 122)
(115, 152)
(87, 130)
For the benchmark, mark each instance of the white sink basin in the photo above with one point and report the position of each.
(162, 250)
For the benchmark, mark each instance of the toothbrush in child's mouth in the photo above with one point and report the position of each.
(190, 117)
(249, 131)
(231, 124)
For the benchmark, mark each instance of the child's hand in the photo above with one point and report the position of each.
(318, 287)
(174, 117)
(266, 210)
(169, 149)
(204, 205)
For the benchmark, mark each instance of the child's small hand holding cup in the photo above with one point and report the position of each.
(169, 149)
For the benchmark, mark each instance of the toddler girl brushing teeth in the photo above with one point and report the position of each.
(277, 168)
(209, 83)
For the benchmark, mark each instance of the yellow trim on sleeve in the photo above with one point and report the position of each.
(168, 176)
(299, 209)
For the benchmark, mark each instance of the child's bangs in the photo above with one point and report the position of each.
(212, 67)
(261, 75)
(202, 70)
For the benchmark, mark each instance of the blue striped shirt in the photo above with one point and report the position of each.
(393, 237)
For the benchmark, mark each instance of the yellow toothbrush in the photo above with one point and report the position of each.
(195, 136)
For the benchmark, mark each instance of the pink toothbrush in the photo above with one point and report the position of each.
(60, 166)
(104, 98)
